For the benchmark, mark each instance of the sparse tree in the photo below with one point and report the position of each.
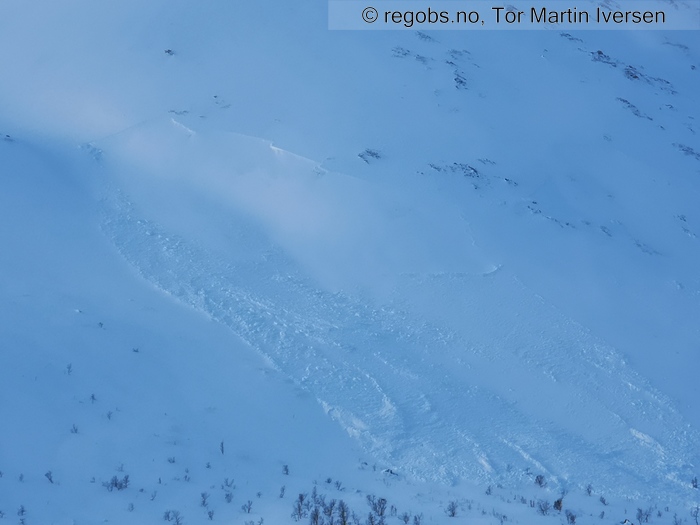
(603, 500)
(643, 515)
(405, 517)
(49, 476)
(228, 483)
(694, 482)
(210, 515)
(315, 517)
(343, 513)
(285, 470)
(543, 507)
(116, 483)
(204, 502)
(283, 488)
(570, 517)
(694, 513)
(299, 508)
(329, 508)
(378, 505)
(540, 480)
(451, 509)
(558, 504)
(247, 507)
(589, 489)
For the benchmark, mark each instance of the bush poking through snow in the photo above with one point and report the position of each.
(543, 507)
(643, 515)
(174, 516)
(378, 505)
(315, 518)
(116, 483)
(451, 509)
(343, 513)
(299, 508)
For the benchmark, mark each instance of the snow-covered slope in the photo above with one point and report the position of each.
(467, 258)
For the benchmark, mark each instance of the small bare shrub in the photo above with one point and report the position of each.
(543, 507)
(451, 509)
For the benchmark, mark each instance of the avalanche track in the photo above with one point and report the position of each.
(452, 375)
